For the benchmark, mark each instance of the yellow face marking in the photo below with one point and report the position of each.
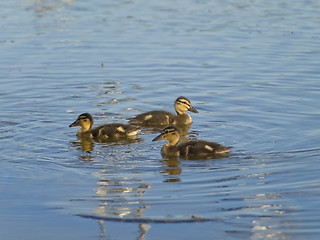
(85, 123)
(171, 134)
(182, 105)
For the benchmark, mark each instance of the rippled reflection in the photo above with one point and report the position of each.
(263, 229)
(171, 169)
(115, 196)
(87, 144)
(84, 144)
(110, 90)
(265, 226)
(50, 5)
(120, 197)
(7, 129)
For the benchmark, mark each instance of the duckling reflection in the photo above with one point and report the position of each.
(193, 149)
(171, 169)
(120, 197)
(164, 118)
(144, 228)
(84, 144)
(103, 133)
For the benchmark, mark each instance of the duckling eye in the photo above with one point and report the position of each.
(83, 119)
(170, 131)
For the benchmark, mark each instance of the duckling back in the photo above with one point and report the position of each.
(106, 132)
(154, 119)
(201, 148)
(164, 118)
(114, 131)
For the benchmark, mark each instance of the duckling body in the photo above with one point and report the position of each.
(201, 148)
(106, 132)
(164, 118)
(189, 149)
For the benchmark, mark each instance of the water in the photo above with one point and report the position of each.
(251, 68)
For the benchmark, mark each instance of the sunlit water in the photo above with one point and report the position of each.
(251, 68)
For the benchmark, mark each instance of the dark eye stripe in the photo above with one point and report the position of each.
(184, 102)
(170, 131)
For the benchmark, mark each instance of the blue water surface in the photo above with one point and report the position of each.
(251, 68)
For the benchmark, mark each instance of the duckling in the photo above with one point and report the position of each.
(191, 149)
(164, 118)
(106, 132)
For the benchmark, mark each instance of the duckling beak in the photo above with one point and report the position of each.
(74, 124)
(192, 109)
(159, 137)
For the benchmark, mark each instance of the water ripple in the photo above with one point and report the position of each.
(7, 129)
(250, 67)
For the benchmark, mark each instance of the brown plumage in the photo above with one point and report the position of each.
(190, 149)
(106, 132)
(164, 118)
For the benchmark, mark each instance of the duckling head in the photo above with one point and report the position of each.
(183, 104)
(84, 120)
(171, 134)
